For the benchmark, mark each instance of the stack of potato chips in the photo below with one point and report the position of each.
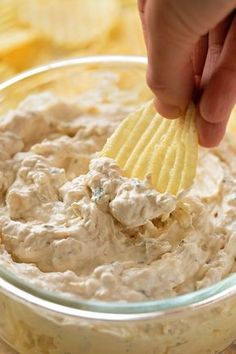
(33, 32)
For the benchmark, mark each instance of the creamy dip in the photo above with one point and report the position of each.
(71, 222)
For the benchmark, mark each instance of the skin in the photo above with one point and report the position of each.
(191, 48)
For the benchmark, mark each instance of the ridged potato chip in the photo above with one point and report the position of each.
(70, 23)
(5, 71)
(7, 17)
(12, 34)
(15, 38)
(147, 144)
(232, 121)
(129, 2)
(127, 37)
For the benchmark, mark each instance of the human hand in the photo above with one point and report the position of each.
(191, 47)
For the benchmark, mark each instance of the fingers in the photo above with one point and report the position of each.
(219, 95)
(172, 30)
(199, 58)
(141, 8)
(170, 72)
(210, 134)
(216, 39)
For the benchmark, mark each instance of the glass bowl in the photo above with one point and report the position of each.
(35, 321)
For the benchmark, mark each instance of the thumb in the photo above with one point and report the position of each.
(172, 28)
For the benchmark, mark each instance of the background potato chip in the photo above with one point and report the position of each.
(35, 32)
(70, 23)
(12, 34)
(129, 2)
(5, 71)
(127, 36)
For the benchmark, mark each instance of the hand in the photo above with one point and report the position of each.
(191, 47)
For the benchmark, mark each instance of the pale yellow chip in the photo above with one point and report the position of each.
(232, 121)
(70, 23)
(5, 71)
(12, 34)
(146, 144)
(127, 37)
(15, 38)
(129, 3)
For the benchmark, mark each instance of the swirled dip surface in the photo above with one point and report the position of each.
(70, 222)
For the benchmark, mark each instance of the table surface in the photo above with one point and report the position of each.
(5, 349)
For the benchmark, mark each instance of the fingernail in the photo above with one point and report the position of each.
(167, 110)
(200, 128)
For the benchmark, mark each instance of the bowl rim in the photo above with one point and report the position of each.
(21, 290)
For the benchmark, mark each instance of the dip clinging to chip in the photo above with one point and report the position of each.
(149, 145)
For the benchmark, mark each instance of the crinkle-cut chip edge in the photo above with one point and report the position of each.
(148, 144)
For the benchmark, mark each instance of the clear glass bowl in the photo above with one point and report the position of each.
(35, 321)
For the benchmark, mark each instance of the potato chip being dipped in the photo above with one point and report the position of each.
(231, 127)
(149, 145)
